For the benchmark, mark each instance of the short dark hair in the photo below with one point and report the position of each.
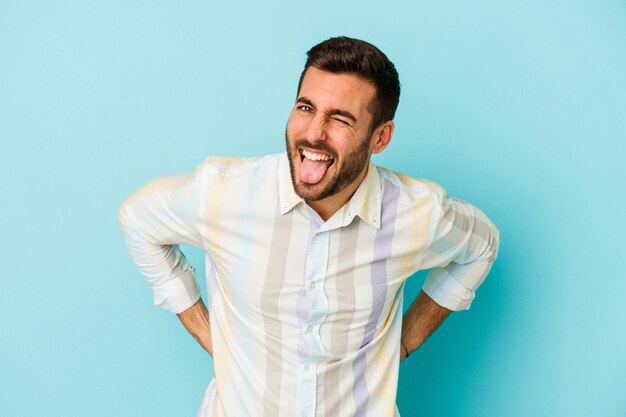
(353, 56)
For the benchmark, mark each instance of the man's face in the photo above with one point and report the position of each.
(328, 134)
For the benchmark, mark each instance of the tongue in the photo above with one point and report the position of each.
(311, 172)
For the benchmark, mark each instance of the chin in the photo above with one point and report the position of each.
(316, 192)
(309, 192)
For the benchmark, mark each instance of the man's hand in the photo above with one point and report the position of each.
(403, 353)
(196, 321)
(420, 321)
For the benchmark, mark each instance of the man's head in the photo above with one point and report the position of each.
(343, 55)
(347, 97)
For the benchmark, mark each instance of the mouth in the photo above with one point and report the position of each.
(315, 156)
(314, 165)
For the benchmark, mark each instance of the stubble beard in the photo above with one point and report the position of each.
(352, 165)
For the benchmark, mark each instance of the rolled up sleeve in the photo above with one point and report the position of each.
(155, 220)
(462, 249)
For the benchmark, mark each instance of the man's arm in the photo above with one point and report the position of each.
(155, 220)
(420, 321)
(196, 321)
(463, 248)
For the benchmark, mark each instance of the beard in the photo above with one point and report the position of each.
(346, 171)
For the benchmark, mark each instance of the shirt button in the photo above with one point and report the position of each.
(307, 367)
(309, 329)
(312, 285)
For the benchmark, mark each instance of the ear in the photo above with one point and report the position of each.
(382, 136)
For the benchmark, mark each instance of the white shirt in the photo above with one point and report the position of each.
(305, 315)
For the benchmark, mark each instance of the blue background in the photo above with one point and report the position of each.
(518, 107)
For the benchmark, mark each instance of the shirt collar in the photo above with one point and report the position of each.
(365, 202)
(288, 197)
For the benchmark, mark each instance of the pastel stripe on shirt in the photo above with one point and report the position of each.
(305, 315)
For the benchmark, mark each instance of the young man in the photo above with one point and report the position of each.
(307, 252)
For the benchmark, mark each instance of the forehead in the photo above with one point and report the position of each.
(337, 91)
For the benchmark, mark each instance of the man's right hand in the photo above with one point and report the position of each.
(196, 321)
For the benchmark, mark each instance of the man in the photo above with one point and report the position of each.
(307, 252)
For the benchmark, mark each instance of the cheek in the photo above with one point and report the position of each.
(341, 140)
(295, 127)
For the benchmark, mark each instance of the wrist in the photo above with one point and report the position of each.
(406, 350)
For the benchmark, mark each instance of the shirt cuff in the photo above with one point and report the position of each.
(447, 291)
(179, 293)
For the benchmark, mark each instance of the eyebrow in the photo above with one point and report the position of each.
(331, 112)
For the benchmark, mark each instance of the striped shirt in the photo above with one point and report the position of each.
(305, 315)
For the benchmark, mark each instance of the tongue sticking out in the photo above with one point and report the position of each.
(311, 172)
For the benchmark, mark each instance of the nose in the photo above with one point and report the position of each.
(316, 129)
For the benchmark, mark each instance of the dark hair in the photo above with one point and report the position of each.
(354, 56)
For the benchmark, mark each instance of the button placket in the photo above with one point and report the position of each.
(314, 276)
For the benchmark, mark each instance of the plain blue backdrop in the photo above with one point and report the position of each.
(518, 107)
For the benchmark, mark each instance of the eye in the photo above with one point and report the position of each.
(305, 108)
(342, 121)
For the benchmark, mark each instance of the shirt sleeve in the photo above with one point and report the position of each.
(463, 247)
(155, 220)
